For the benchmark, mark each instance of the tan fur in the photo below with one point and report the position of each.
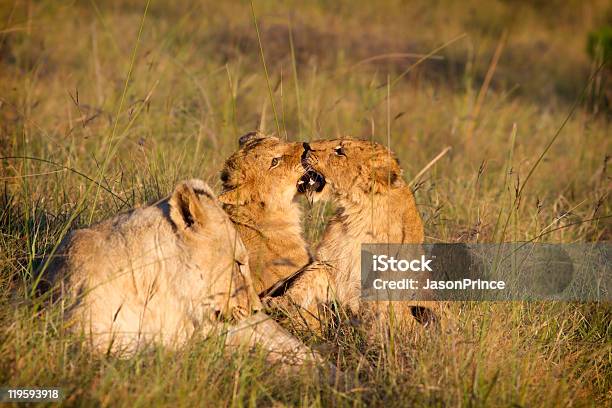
(159, 273)
(374, 205)
(259, 198)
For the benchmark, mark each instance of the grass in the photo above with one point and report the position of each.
(116, 106)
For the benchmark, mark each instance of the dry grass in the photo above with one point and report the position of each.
(196, 83)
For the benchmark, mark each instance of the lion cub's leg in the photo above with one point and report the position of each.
(283, 348)
(312, 288)
(261, 330)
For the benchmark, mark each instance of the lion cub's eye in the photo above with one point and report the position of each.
(275, 162)
(339, 151)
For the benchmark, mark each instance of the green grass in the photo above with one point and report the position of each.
(119, 117)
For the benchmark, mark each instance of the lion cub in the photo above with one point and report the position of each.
(259, 190)
(158, 274)
(374, 205)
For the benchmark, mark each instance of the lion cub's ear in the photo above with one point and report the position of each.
(387, 171)
(186, 210)
(245, 138)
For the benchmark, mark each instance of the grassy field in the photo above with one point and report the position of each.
(105, 105)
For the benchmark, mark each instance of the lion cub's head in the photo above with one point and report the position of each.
(211, 246)
(264, 170)
(349, 167)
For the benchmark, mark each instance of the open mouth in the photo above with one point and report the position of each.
(311, 181)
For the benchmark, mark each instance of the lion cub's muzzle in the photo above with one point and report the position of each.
(311, 181)
(234, 312)
(240, 302)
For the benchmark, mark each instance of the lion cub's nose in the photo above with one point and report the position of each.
(305, 154)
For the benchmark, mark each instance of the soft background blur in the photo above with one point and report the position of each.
(195, 82)
(104, 106)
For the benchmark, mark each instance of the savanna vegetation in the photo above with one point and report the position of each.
(499, 112)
